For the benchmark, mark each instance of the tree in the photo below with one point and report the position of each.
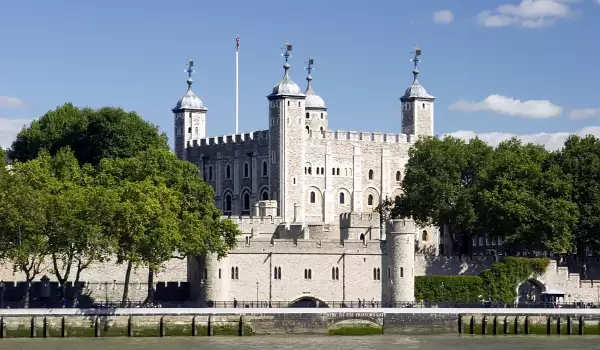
(77, 222)
(441, 185)
(166, 211)
(91, 134)
(23, 201)
(525, 199)
(579, 159)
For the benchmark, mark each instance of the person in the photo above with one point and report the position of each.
(235, 303)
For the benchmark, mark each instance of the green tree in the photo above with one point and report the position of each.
(77, 225)
(91, 134)
(24, 198)
(167, 211)
(579, 159)
(441, 186)
(526, 199)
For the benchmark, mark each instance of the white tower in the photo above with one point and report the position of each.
(400, 243)
(316, 110)
(417, 105)
(190, 118)
(286, 145)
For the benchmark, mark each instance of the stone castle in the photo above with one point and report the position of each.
(304, 198)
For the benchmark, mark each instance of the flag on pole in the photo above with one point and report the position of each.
(237, 43)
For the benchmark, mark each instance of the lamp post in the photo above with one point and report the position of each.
(256, 293)
(1, 294)
(202, 296)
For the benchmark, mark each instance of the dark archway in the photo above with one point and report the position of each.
(308, 302)
(530, 291)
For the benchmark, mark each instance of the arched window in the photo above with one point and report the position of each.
(246, 170)
(313, 197)
(332, 171)
(424, 236)
(337, 273)
(190, 130)
(265, 168)
(279, 272)
(342, 198)
(265, 196)
(299, 104)
(246, 201)
(337, 171)
(237, 276)
(370, 200)
(228, 171)
(190, 118)
(307, 274)
(375, 274)
(398, 175)
(196, 131)
(288, 103)
(227, 203)
(333, 273)
(307, 129)
(210, 172)
(423, 106)
(378, 274)
(321, 115)
(362, 237)
(247, 240)
(322, 171)
(321, 129)
(371, 174)
(307, 115)
(318, 172)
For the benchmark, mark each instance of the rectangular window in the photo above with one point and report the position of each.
(402, 272)
(219, 273)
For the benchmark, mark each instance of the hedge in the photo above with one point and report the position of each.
(499, 283)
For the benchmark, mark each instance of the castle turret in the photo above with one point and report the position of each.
(286, 144)
(400, 243)
(316, 110)
(190, 117)
(417, 105)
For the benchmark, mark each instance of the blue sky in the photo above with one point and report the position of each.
(496, 67)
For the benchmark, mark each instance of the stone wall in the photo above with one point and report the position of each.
(153, 322)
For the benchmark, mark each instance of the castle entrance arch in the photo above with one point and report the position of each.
(530, 291)
(308, 302)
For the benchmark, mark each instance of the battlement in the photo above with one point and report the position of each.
(231, 139)
(254, 220)
(309, 246)
(402, 226)
(361, 136)
(359, 219)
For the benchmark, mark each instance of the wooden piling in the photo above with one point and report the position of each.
(495, 325)
(472, 325)
(194, 327)
(484, 325)
(130, 326)
(161, 326)
(33, 328)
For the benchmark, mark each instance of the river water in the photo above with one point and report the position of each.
(385, 342)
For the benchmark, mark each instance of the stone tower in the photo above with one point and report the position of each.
(400, 243)
(286, 145)
(417, 105)
(316, 110)
(190, 118)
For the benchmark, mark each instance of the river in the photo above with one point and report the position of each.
(386, 342)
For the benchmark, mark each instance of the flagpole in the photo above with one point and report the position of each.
(237, 52)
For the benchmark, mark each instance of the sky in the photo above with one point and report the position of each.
(498, 68)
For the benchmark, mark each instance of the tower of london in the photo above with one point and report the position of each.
(305, 199)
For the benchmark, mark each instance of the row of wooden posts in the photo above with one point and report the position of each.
(527, 329)
(98, 327)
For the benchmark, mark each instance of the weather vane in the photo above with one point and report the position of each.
(309, 64)
(190, 67)
(286, 51)
(416, 59)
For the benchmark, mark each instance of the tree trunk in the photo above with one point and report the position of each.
(150, 295)
(26, 297)
(126, 286)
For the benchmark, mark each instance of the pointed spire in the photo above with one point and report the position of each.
(416, 60)
(309, 68)
(190, 70)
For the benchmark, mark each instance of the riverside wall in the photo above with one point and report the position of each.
(191, 322)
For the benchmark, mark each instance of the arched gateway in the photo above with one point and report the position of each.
(308, 301)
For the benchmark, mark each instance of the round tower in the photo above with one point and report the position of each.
(401, 256)
(210, 278)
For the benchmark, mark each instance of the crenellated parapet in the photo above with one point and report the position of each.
(308, 246)
(239, 139)
(359, 219)
(361, 136)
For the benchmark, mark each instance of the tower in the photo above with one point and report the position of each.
(316, 111)
(286, 144)
(190, 117)
(400, 241)
(417, 105)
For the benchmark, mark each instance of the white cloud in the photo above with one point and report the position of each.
(536, 109)
(9, 128)
(552, 141)
(11, 102)
(585, 113)
(444, 17)
(527, 14)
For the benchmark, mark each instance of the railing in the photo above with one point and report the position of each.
(305, 304)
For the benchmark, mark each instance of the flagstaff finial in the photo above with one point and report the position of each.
(309, 65)
(417, 53)
(190, 70)
(286, 53)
